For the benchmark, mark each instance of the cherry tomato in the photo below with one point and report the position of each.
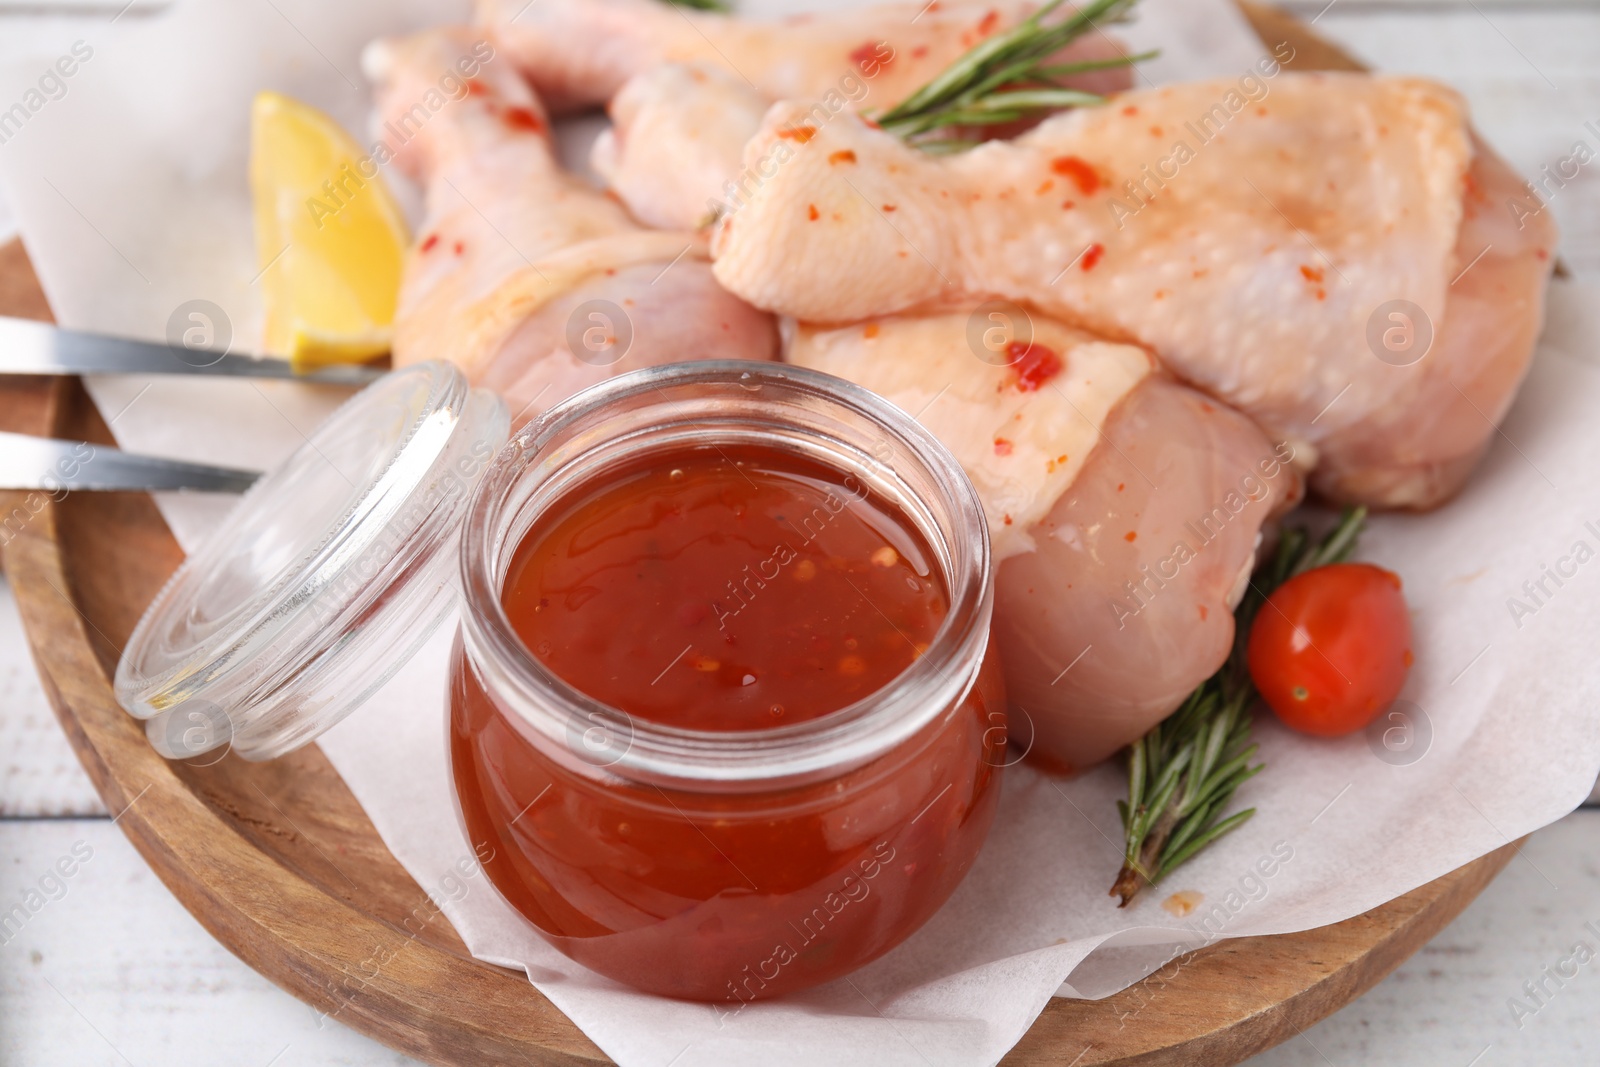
(1331, 647)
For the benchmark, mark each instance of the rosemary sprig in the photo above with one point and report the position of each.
(704, 5)
(1007, 77)
(1182, 773)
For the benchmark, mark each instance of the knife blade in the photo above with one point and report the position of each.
(54, 466)
(29, 347)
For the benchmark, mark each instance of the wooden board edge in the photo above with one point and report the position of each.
(248, 902)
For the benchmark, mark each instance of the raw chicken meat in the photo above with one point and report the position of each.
(1019, 400)
(875, 56)
(1125, 510)
(676, 141)
(534, 283)
(1193, 220)
(1127, 605)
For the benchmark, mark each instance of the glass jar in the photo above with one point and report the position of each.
(712, 865)
(722, 866)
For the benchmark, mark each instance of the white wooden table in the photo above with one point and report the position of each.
(113, 971)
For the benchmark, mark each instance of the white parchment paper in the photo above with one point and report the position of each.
(129, 187)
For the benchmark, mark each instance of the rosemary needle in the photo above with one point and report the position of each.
(1182, 773)
(1007, 77)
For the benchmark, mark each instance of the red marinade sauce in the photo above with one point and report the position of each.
(736, 588)
(725, 589)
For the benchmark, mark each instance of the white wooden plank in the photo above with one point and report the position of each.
(1451, 1001)
(111, 970)
(39, 775)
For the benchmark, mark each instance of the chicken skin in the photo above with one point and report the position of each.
(676, 140)
(1186, 218)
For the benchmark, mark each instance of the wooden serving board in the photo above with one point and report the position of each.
(281, 865)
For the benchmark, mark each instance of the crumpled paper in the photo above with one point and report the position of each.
(130, 191)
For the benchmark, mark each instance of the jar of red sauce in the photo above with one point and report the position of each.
(727, 853)
(721, 702)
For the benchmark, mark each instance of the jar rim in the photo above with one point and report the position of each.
(610, 742)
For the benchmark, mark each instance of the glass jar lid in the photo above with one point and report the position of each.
(327, 576)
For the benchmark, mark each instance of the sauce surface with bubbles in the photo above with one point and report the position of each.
(739, 587)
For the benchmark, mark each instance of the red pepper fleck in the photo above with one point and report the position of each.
(1311, 274)
(811, 211)
(1084, 176)
(1203, 612)
(1130, 110)
(476, 88)
(1092, 255)
(1121, 486)
(521, 118)
(1541, 253)
(1068, 205)
(844, 155)
(429, 241)
(1155, 131)
(799, 134)
(1131, 536)
(1008, 520)
(1035, 364)
(459, 248)
(870, 330)
(919, 51)
(888, 207)
(1002, 447)
(989, 22)
(872, 57)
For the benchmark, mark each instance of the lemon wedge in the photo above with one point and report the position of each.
(330, 238)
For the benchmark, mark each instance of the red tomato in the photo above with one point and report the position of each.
(1331, 647)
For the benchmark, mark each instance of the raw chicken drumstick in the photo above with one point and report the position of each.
(1289, 254)
(1125, 510)
(530, 280)
(579, 52)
